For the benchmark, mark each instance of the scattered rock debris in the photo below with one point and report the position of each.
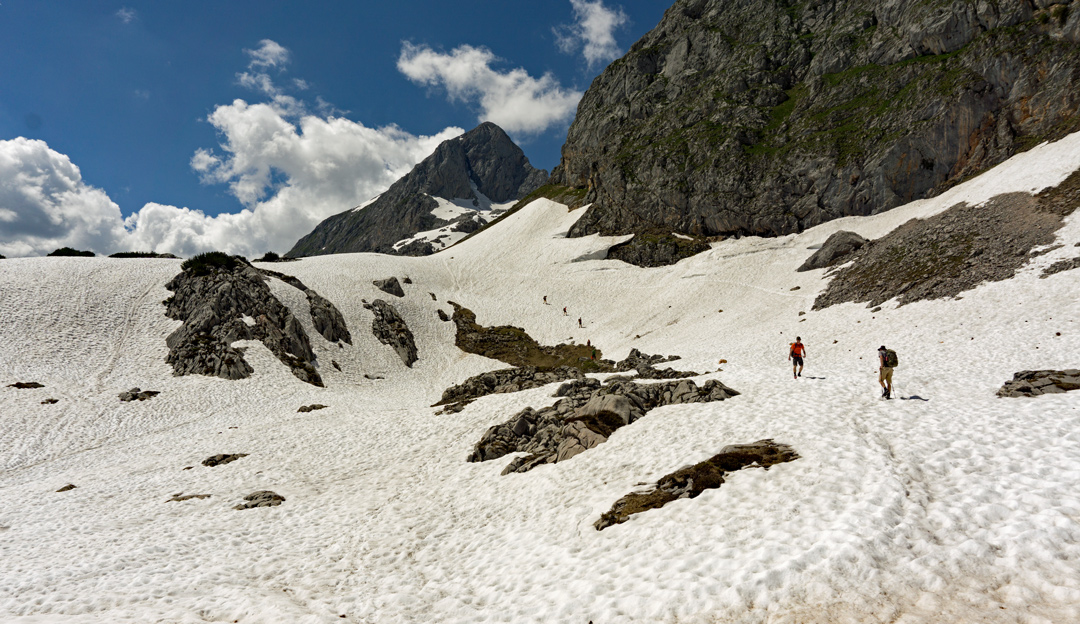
(26, 385)
(67, 488)
(135, 394)
(50, 401)
(311, 408)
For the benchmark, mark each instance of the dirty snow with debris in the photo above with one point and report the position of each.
(948, 504)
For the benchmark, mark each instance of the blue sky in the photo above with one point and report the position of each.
(182, 116)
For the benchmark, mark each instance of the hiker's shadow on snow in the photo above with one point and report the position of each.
(913, 397)
(809, 377)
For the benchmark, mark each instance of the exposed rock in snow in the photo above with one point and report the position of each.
(263, 498)
(390, 286)
(325, 316)
(26, 385)
(691, 481)
(587, 416)
(1034, 383)
(391, 330)
(212, 304)
(135, 394)
(953, 251)
(222, 459)
(311, 408)
(838, 246)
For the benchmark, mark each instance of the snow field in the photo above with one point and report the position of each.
(946, 505)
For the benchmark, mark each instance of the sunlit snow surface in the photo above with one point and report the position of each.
(955, 506)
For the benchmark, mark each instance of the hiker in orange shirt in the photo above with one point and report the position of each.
(796, 355)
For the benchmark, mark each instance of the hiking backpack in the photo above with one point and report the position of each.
(890, 358)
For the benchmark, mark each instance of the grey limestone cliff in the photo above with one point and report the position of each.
(766, 117)
(483, 161)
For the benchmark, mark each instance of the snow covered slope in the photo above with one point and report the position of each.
(948, 505)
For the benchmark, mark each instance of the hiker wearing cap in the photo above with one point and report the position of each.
(796, 354)
(886, 363)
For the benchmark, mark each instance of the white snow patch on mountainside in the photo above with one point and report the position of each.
(948, 505)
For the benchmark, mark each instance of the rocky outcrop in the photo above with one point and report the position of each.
(481, 166)
(691, 481)
(311, 408)
(26, 385)
(67, 488)
(514, 346)
(390, 286)
(136, 394)
(263, 498)
(954, 251)
(215, 300)
(651, 248)
(391, 330)
(1034, 383)
(507, 380)
(528, 377)
(586, 416)
(325, 316)
(766, 117)
(837, 247)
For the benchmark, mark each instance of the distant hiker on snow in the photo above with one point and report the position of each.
(545, 300)
(579, 323)
(564, 312)
(796, 354)
(887, 361)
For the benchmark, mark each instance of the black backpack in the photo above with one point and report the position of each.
(890, 358)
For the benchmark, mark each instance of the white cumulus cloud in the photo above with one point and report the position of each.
(45, 204)
(269, 54)
(513, 99)
(593, 32)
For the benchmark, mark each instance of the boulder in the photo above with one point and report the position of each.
(222, 459)
(838, 246)
(391, 330)
(390, 286)
(263, 498)
(1037, 382)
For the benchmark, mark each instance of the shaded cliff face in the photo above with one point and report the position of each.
(479, 168)
(766, 117)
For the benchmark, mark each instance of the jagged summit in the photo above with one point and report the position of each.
(446, 196)
(768, 117)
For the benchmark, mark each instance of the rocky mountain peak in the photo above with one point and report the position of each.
(449, 194)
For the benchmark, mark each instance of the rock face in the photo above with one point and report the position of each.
(587, 415)
(482, 166)
(955, 250)
(767, 117)
(391, 330)
(1034, 383)
(213, 302)
(837, 247)
(691, 481)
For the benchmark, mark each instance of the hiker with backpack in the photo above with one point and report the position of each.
(796, 353)
(887, 361)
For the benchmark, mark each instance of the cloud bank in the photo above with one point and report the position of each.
(288, 167)
(593, 32)
(513, 99)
